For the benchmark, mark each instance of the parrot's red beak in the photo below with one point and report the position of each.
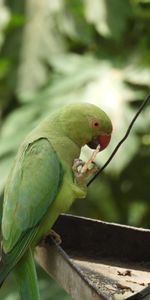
(104, 141)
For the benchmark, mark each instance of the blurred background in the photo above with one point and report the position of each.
(57, 52)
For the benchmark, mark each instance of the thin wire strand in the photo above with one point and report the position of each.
(122, 140)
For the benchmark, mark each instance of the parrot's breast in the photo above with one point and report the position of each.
(68, 192)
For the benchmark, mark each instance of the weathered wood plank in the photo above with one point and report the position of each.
(57, 264)
(98, 260)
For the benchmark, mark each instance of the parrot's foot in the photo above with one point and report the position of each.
(54, 235)
(82, 170)
(77, 165)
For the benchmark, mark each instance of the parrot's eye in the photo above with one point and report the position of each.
(95, 124)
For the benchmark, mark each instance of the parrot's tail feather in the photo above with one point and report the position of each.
(3, 272)
(27, 278)
(10, 259)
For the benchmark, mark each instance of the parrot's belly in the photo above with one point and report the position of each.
(65, 197)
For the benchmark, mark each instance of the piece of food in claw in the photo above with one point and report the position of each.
(88, 165)
(100, 144)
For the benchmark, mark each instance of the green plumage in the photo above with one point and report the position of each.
(26, 276)
(41, 185)
(36, 166)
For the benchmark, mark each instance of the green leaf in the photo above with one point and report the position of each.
(108, 16)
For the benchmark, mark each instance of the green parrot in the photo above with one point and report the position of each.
(43, 182)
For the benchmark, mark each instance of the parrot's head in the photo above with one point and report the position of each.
(85, 123)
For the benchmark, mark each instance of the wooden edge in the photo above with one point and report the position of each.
(56, 263)
(54, 260)
(97, 239)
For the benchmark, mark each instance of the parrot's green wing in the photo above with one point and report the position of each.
(32, 187)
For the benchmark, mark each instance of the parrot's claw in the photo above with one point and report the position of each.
(81, 169)
(78, 164)
(54, 235)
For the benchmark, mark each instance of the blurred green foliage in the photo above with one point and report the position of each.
(58, 52)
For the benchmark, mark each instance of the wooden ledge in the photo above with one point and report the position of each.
(98, 260)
